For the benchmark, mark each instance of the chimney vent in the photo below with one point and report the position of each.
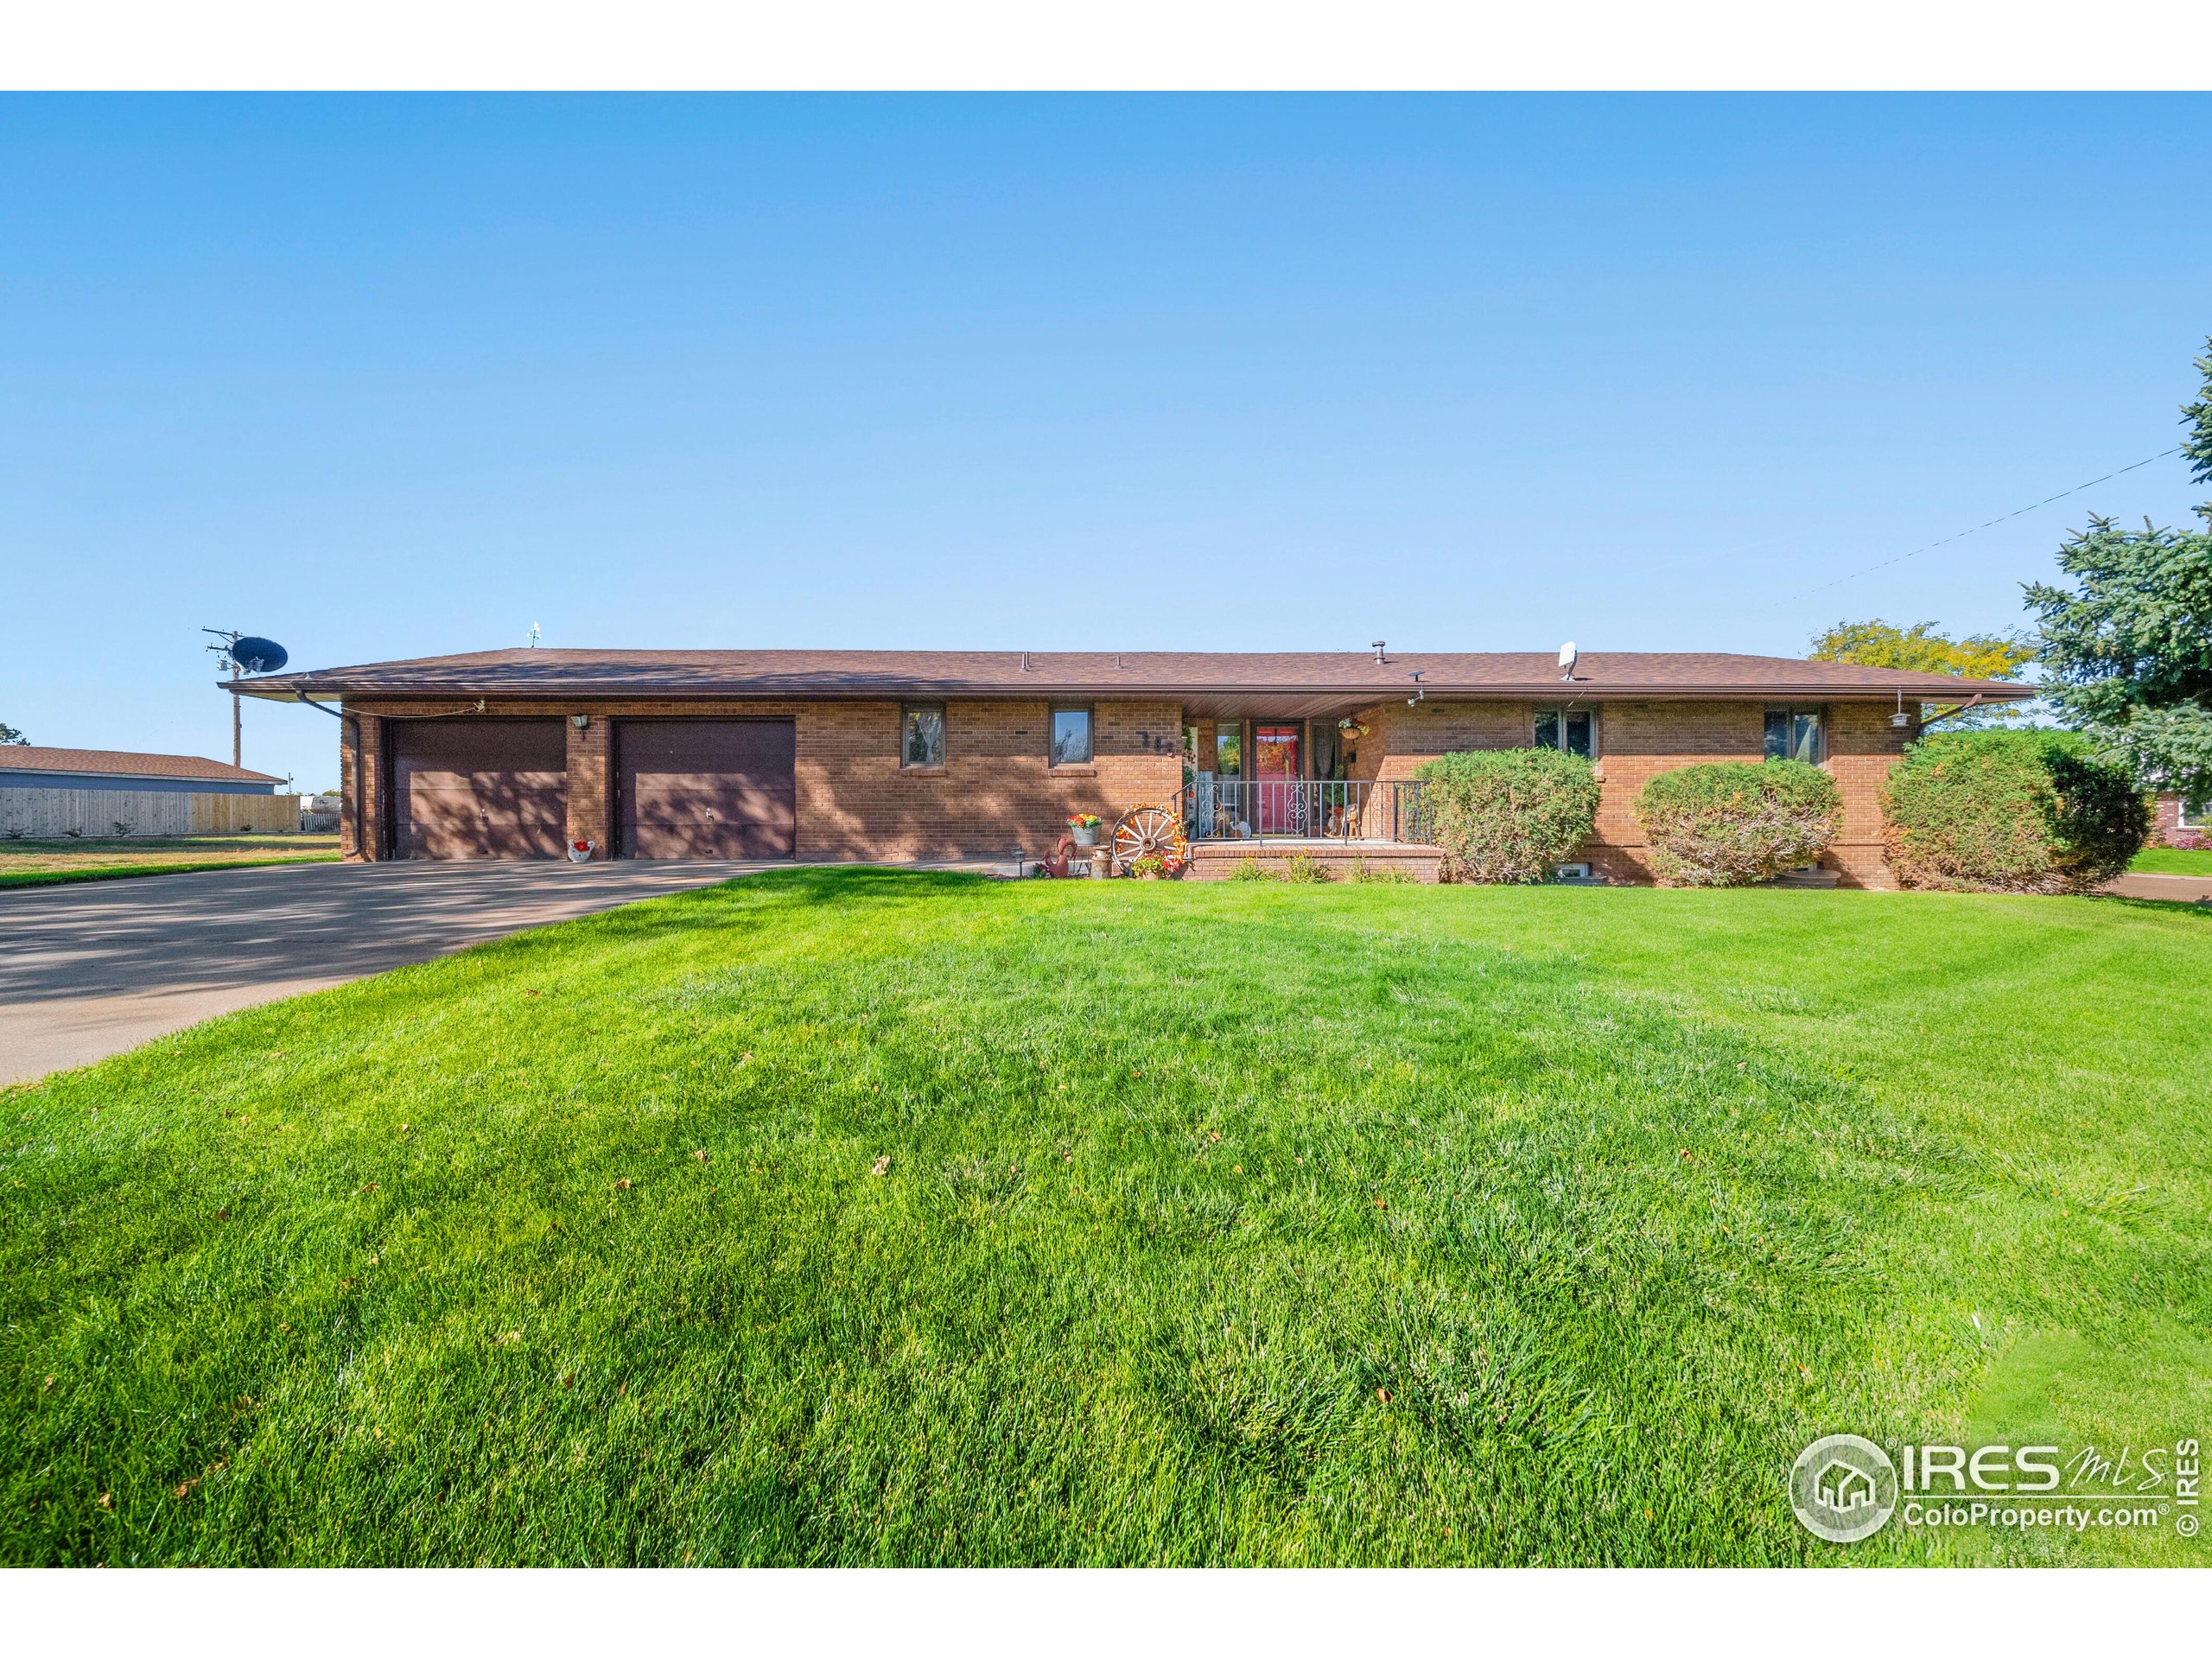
(1379, 656)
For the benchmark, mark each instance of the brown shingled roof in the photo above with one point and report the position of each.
(561, 673)
(125, 763)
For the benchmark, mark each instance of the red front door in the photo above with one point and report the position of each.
(1277, 768)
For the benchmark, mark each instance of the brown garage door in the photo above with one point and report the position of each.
(705, 788)
(480, 788)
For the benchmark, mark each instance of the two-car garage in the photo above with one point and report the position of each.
(498, 787)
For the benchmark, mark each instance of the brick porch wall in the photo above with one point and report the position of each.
(854, 801)
(1635, 741)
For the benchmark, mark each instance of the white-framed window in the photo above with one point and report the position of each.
(2190, 814)
(1574, 730)
(921, 734)
(1795, 734)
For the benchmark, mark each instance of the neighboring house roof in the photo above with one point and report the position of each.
(1192, 675)
(124, 763)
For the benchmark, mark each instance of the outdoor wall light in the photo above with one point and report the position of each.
(580, 721)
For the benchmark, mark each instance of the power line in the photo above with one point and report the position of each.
(2004, 517)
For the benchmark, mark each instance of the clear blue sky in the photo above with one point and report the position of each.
(387, 378)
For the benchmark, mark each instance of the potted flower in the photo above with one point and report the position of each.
(1084, 826)
(1150, 867)
(580, 851)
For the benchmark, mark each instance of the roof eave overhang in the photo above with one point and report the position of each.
(587, 691)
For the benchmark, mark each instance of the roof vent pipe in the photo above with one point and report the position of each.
(1025, 663)
(1379, 656)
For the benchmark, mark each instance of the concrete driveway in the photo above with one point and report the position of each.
(2185, 889)
(93, 968)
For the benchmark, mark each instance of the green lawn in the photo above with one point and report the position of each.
(43, 863)
(2172, 860)
(1220, 1223)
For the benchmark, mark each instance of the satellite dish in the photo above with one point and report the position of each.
(1568, 656)
(255, 656)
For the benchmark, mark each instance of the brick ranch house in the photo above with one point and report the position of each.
(832, 755)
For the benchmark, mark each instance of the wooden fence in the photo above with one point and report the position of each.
(60, 814)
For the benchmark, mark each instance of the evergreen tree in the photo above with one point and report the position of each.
(2130, 645)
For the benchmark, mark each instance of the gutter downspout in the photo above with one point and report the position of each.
(351, 723)
(1951, 714)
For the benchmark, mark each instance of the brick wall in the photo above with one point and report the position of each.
(2165, 824)
(1635, 740)
(1400, 739)
(361, 785)
(996, 791)
(591, 786)
(349, 846)
(1863, 746)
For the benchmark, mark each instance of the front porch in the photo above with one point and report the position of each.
(1344, 825)
(1214, 807)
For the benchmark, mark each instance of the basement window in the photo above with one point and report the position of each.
(1070, 737)
(1795, 734)
(1574, 730)
(921, 734)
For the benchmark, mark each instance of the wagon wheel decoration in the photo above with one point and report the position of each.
(1148, 831)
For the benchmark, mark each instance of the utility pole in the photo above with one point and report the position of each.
(226, 641)
(242, 656)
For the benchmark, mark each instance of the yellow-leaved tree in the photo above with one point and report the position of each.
(1922, 649)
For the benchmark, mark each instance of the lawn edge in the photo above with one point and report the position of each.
(121, 871)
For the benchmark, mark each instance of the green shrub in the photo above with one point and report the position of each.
(1731, 824)
(2031, 811)
(1251, 869)
(1303, 867)
(1508, 815)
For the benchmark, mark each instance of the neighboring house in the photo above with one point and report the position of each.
(49, 793)
(898, 755)
(26, 767)
(2177, 822)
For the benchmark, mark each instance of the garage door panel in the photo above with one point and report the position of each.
(481, 788)
(707, 788)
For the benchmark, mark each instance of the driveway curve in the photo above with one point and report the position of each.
(89, 968)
